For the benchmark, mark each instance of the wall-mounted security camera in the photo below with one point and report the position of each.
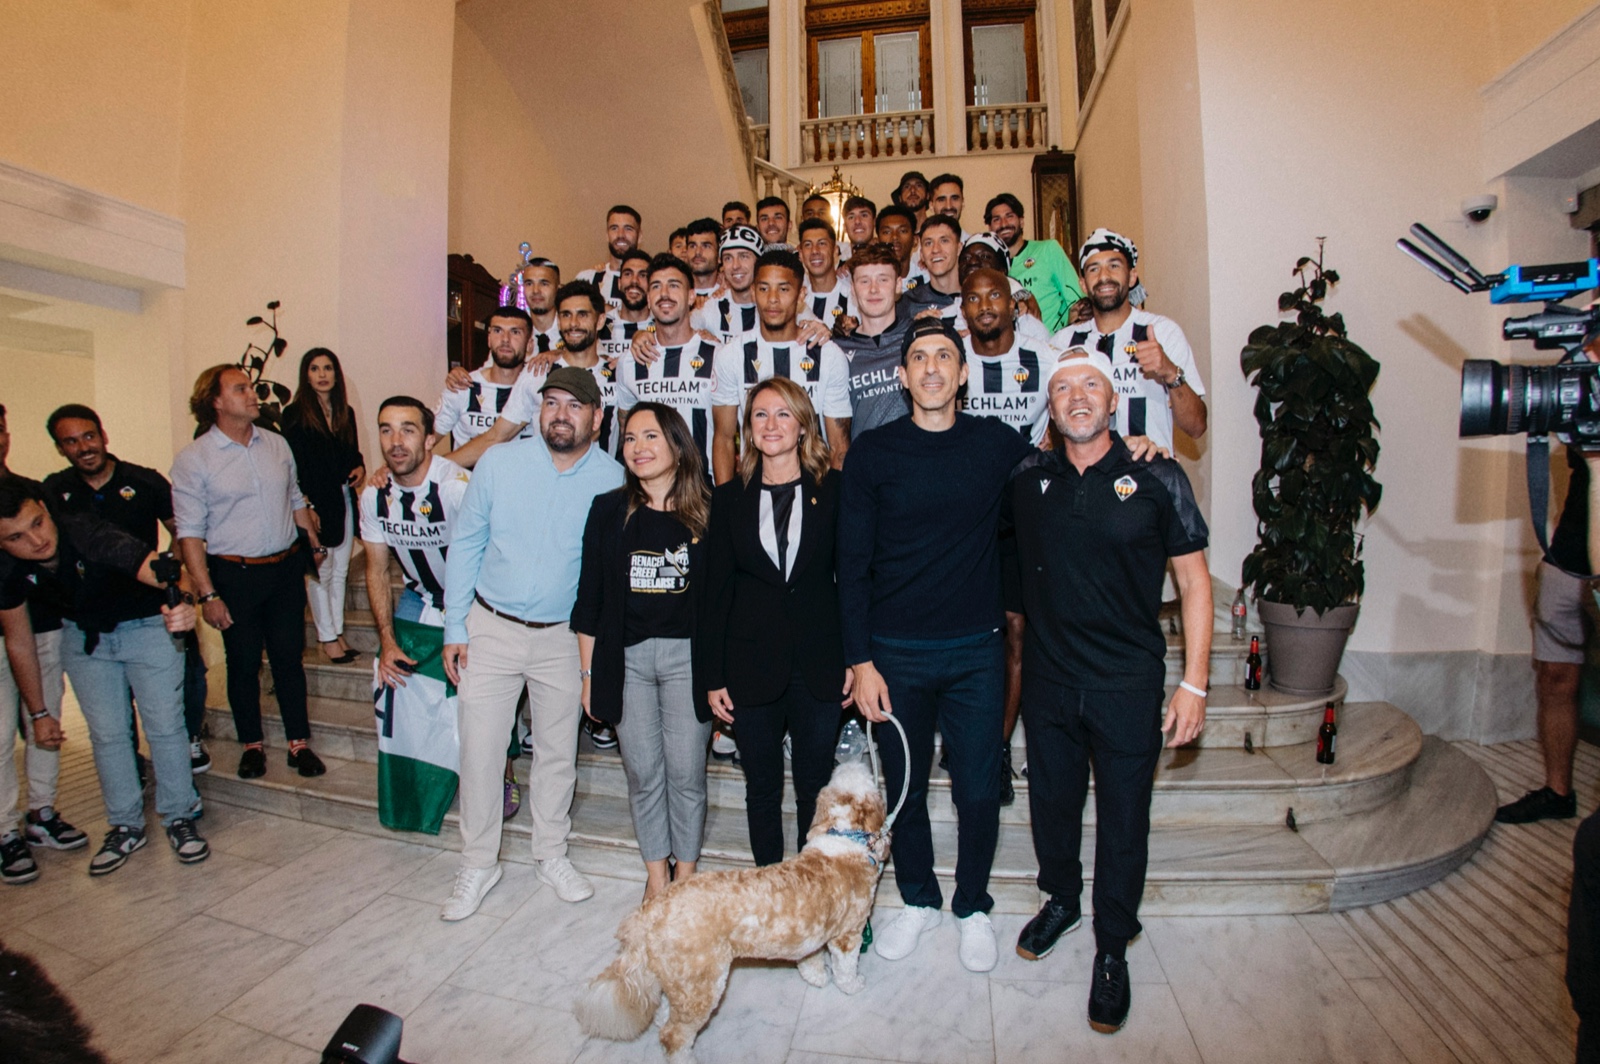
(1478, 208)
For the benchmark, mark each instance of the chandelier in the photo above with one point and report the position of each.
(836, 190)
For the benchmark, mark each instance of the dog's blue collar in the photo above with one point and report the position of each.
(857, 835)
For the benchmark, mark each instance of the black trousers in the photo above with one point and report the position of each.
(1119, 733)
(268, 607)
(1583, 938)
(813, 727)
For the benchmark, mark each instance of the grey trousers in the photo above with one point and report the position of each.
(663, 749)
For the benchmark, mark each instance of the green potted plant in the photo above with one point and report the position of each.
(1315, 481)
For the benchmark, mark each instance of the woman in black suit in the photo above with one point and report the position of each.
(321, 432)
(774, 658)
(635, 615)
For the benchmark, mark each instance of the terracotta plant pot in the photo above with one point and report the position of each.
(1304, 648)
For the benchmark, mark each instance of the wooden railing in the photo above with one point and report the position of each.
(826, 140)
(1007, 127)
(771, 180)
(760, 140)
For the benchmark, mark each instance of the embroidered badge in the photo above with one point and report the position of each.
(1027, 264)
(1130, 349)
(806, 364)
(1044, 486)
(1021, 375)
(127, 493)
(425, 509)
(696, 362)
(838, 311)
(1125, 487)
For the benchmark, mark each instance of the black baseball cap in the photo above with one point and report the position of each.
(580, 383)
(921, 327)
(911, 175)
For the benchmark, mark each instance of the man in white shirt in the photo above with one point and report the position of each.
(827, 291)
(735, 312)
(701, 237)
(682, 377)
(1152, 366)
(623, 226)
(775, 347)
(772, 220)
(947, 196)
(469, 413)
(539, 280)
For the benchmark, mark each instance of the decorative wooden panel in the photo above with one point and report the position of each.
(1083, 34)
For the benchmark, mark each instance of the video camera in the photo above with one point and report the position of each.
(1498, 399)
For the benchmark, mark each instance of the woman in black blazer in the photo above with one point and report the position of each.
(774, 658)
(320, 429)
(635, 615)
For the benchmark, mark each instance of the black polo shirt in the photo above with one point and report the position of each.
(136, 499)
(93, 579)
(43, 616)
(1093, 551)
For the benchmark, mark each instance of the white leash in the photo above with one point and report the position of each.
(877, 777)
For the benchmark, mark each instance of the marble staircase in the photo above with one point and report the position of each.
(1244, 821)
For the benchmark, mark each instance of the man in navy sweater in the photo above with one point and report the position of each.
(919, 591)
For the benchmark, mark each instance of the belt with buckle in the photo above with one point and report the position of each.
(269, 559)
(513, 618)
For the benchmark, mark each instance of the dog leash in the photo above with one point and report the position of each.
(877, 776)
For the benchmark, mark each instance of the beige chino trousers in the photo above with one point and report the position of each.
(503, 657)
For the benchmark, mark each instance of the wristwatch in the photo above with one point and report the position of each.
(210, 596)
(1177, 382)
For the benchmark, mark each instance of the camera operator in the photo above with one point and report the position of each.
(1559, 634)
(115, 636)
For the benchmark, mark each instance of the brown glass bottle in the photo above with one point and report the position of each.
(1327, 736)
(1252, 665)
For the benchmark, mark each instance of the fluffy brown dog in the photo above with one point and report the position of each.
(682, 942)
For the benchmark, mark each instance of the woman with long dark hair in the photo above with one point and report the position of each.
(636, 612)
(321, 431)
(774, 656)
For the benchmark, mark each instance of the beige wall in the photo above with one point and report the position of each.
(71, 378)
(1520, 26)
(93, 94)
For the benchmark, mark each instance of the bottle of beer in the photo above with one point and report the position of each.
(1327, 735)
(1252, 665)
(1240, 613)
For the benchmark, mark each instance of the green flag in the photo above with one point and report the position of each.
(419, 750)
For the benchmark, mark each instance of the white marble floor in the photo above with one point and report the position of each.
(259, 952)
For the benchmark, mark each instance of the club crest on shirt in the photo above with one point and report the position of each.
(806, 364)
(1028, 264)
(696, 362)
(1044, 486)
(1125, 487)
(127, 493)
(1021, 375)
(679, 558)
(425, 508)
(1130, 349)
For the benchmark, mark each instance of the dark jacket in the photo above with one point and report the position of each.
(601, 607)
(323, 463)
(757, 628)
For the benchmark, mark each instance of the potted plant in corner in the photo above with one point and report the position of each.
(1318, 452)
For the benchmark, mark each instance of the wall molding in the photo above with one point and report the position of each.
(54, 225)
(1103, 59)
(1544, 97)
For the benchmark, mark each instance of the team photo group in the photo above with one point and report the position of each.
(775, 478)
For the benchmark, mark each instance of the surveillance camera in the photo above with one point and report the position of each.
(1478, 208)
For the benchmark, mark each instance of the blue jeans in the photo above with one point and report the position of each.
(141, 656)
(958, 687)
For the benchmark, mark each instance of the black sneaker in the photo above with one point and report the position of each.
(16, 862)
(199, 760)
(1109, 994)
(186, 841)
(1542, 804)
(307, 763)
(47, 828)
(604, 736)
(120, 842)
(1039, 935)
(1008, 790)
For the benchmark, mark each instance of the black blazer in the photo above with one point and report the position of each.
(323, 463)
(757, 628)
(601, 607)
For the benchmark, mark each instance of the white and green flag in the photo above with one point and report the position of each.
(419, 749)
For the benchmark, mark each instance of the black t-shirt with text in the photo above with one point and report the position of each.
(92, 581)
(657, 548)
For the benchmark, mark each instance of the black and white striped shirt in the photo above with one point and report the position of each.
(682, 378)
(1011, 387)
(415, 524)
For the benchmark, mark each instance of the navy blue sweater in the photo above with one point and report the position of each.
(919, 518)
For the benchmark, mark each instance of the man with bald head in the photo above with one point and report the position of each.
(1093, 665)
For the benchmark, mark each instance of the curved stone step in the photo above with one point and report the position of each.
(1357, 859)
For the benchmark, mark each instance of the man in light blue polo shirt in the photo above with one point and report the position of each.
(511, 578)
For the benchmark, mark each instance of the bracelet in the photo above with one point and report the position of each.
(584, 674)
(209, 596)
(43, 713)
(1192, 689)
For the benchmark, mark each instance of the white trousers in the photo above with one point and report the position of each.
(42, 766)
(326, 594)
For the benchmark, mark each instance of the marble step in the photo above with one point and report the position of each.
(1194, 786)
(1266, 717)
(1358, 859)
(359, 631)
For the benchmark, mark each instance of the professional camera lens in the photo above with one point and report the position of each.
(1486, 397)
(1502, 400)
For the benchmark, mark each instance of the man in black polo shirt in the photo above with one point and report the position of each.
(114, 638)
(137, 500)
(1094, 531)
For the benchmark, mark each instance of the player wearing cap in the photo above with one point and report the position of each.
(1040, 265)
(1095, 530)
(1151, 363)
(778, 347)
(507, 627)
(735, 312)
(912, 194)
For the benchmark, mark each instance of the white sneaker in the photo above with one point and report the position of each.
(472, 885)
(978, 952)
(568, 883)
(900, 937)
